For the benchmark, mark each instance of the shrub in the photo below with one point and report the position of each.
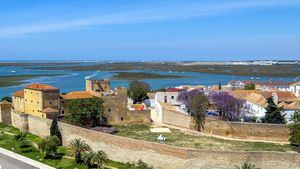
(139, 165)
(246, 165)
(49, 146)
(295, 130)
(22, 140)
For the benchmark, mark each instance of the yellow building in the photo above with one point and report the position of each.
(37, 99)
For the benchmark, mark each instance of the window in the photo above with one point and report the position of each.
(108, 110)
(50, 102)
(122, 118)
(37, 102)
(166, 99)
(31, 101)
(172, 97)
(63, 112)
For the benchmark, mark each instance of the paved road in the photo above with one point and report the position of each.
(7, 162)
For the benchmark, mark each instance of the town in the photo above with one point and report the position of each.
(101, 118)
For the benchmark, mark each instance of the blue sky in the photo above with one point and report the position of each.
(149, 30)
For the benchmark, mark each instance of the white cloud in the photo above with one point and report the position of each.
(153, 14)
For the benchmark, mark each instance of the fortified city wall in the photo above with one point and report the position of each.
(156, 154)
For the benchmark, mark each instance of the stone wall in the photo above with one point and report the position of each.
(161, 155)
(177, 119)
(39, 126)
(19, 120)
(248, 131)
(5, 115)
(138, 116)
(215, 126)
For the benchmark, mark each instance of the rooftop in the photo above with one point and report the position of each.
(19, 93)
(38, 86)
(77, 95)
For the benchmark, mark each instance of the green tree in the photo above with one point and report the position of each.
(54, 130)
(273, 114)
(198, 110)
(246, 165)
(295, 130)
(49, 146)
(83, 111)
(250, 86)
(138, 90)
(79, 147)
(6, 98)
(197, 105)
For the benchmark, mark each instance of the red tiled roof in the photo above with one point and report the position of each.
(264, 83)
(19, 93)
(38, 86)
(282, 96)
(174, 90)
(77, 95)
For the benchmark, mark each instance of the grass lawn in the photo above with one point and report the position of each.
(178, 138)
(7, 142)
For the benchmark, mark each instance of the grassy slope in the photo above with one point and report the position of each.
(141, 76)
(178, 138)
(7, 142)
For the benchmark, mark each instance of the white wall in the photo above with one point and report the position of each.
(171, 97)
(256, 110)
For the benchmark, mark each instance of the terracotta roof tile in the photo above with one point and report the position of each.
(174, 90)
(282, 96)
(257, 99)
(77, 95)
(38, 86)
(19, 93)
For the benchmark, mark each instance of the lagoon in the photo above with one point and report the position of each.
(75, 80)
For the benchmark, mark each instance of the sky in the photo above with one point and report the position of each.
(198, 30)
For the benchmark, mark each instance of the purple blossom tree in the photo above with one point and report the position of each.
(229, 107)
(197, 104)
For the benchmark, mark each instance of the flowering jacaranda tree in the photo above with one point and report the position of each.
(229, 107)
(197, 104)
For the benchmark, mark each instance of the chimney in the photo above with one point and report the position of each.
(275, 97)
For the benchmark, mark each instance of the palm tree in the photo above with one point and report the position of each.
(246, 165)
(79, 146)
(87, 159)
(100, 158)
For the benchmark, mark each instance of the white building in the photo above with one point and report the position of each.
(295, 88)
(169, 97)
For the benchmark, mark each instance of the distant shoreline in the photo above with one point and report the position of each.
(238, 70)
(16, 80)
(142, 76)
